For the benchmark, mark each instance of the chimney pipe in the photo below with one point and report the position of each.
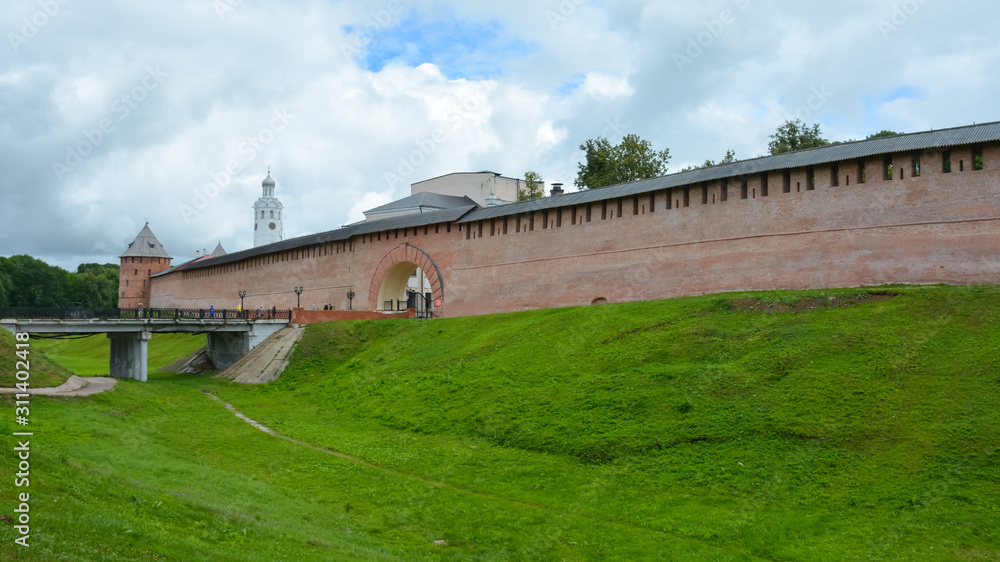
(556, 190)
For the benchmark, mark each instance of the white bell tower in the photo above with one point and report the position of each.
(267, 215)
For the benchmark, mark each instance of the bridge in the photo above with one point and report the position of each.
(231, 333)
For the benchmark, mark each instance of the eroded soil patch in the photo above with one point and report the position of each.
(808, 303)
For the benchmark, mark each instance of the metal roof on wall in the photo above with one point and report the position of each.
(968, 135)
(371, 227)
(424, 199)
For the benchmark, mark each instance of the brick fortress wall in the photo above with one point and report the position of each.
(134, 283)
(809, 231)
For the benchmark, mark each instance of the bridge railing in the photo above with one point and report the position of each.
(82, 313)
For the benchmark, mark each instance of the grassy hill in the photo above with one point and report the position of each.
(842, 424)
(43, 370)
(52, 361)
(88, 357)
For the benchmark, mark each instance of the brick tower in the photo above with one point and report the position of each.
(144, 258)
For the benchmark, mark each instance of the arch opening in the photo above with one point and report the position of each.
(406, 267)
(400, 282)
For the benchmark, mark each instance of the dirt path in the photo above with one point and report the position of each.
(74, 386)
(439, 484)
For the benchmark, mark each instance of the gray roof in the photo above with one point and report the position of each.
(969, 135)
(424, 200)
(381, 225)
(219, 250)
(145, 245)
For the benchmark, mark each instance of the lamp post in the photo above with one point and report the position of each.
(350, 300)
(298, 297)
(241, 294)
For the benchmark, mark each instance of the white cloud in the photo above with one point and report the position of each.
(549, 135)
(602, 85)
(367, 201)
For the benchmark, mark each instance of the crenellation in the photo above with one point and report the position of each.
(915, 228)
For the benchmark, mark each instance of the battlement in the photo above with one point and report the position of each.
(917, 208)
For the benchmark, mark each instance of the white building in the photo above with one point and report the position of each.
(267, 227)
(486, 188)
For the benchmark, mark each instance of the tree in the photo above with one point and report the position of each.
(597, 170)
(532, 187)
(5, 285)
(882, 133)
(26, 281)
(630, 160)
(796, 135)
(34, 282)
(95, 285)
(728, 159)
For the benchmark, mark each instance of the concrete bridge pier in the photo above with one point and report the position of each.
(129, 353)
(226, 348)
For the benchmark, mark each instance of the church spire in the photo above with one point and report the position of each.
(267, 215)
(268, 184)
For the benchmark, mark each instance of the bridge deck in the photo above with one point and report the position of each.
(101, 326)
(231, 333)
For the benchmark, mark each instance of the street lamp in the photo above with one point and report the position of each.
(350, 300)
(298, 297)
(241, 294)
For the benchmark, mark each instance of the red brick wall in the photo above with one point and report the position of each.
(303, 316)
(134, 280)
(936, 228)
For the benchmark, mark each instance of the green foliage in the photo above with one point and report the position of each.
(882, 133)
(796, 135)
(532, 187)
(729, 158)
(34, 283)
(630, 160)
(26, 281)
(820, 425)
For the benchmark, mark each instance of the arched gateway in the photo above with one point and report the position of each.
(390, 282)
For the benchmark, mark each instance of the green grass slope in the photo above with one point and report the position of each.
(89, 357)
(43, 371)
(846, 424)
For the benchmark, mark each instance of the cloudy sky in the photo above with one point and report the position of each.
(119, 112)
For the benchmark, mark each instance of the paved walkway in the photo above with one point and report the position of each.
(267, 361)
(75, 386)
